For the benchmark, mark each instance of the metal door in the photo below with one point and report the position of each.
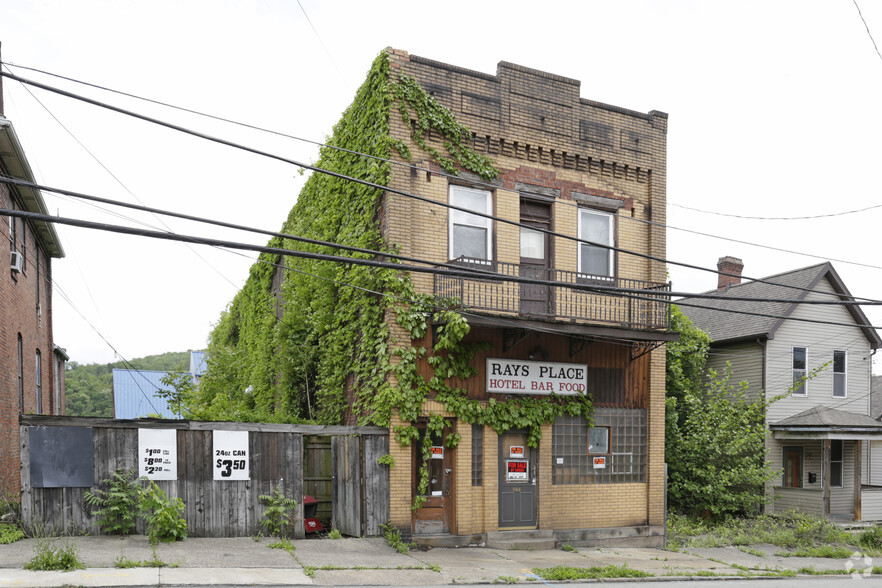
(517, 482)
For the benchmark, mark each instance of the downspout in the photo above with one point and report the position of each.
(768, 485)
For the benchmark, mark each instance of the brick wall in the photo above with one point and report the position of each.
(545, 139)
(19, 315)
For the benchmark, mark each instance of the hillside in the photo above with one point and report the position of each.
(90, 386)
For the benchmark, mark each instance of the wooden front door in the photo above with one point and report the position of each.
(436, 514)
(535, 258)
(517, 482)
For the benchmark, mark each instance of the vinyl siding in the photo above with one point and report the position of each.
(746, 362)
(820, 340)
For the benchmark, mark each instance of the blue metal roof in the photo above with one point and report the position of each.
(134, 394)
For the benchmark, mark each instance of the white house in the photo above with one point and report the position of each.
(776, 331)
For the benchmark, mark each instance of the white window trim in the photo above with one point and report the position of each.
(487, 224)
(805, 371)
(845, 374)
(612, 236)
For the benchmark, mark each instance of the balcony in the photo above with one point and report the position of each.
(567, 296)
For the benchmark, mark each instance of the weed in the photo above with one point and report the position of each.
(49, 556)
(393, 538)
(751, 551)
(331, 567)
(335, 534)
(829, 551)
(279, 513)
(124, 562)
(567, 547)
(505, 580)
(434, 567)
(10, 533)
(309, 571)
(116, 506)
(595, 572)
(163, 515)
(871, 539)
(787, 529)
(283, 543)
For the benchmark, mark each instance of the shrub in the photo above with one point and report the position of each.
(871, 539)
(116, 506)
(163, 515)
(279, 513)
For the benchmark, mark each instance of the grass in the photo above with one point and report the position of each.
(10, 533)
(283, 543)
(49, 556)
(787, 530)
(558, 573)
(830, 551)
(751, 551)
(505, 580)
(124, 562)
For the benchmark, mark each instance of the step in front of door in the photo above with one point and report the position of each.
(528, 539)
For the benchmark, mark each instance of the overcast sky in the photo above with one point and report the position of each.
(774, 113)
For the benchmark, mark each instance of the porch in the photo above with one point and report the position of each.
(557, 294)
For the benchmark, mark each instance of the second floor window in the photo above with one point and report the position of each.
(470, 234)
(800, 360)
(596, 227)
(839, 374)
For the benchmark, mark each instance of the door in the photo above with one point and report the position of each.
(436, 514)
(346, 490)
(517, 482)
(535, 258)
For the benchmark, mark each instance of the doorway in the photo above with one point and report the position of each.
(535, 258)
(436, 514)
(517, 482)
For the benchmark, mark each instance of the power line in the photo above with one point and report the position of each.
(776, 218)
(866, 26)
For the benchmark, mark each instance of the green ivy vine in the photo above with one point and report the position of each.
(308, 341)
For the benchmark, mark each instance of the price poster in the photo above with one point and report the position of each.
(516, 471)
(599, 463)
(516, 451)
(158, 454)
(230, 455)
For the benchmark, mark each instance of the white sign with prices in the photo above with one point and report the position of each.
(513, 376)
(158, 454)
(230, 454)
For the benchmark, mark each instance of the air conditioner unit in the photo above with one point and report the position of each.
(16, 261)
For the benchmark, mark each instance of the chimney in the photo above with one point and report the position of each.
(730, 272)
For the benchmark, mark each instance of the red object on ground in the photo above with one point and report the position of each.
(310, 510)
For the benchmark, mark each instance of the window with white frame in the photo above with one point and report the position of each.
(836, 463)
(597, 227)
(800, 361)
(470, 235)
(839, 374)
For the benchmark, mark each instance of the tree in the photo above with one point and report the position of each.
(715, 434)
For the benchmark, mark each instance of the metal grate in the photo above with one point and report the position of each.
(626, 461)
(477, 455)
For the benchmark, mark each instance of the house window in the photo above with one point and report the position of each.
(792, 467)
(598, 440)
(470, 234)
(836, 463)
(596, 227)
(477, 455)
(39, 372)
(839, 374)
(800, 360)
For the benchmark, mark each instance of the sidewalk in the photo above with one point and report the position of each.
(359, 562)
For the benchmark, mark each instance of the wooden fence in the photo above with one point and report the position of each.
(63, 457)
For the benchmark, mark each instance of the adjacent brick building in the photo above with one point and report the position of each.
(31, 365)
(581, 169)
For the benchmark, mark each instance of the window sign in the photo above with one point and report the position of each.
(230, 455)
(516, 470)
(158, 454)
(600, 463)
(516, 451)
(437, 452)
(511, 376)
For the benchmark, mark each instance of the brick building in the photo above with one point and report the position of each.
(31, 365)
(580, 169)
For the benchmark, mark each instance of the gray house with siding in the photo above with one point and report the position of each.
(773, 333)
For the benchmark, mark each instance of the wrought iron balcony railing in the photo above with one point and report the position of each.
(553, 294)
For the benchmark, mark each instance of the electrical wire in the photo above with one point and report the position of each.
(603, 245)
